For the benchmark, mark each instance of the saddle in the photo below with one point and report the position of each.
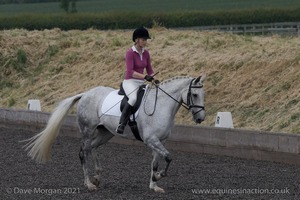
(140, 94)
(132, 123)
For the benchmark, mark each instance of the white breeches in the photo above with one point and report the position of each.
(131, 87)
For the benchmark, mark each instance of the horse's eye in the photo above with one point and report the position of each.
(195, 95)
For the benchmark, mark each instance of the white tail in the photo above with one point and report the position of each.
(40, 145)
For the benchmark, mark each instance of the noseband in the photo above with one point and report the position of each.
(190, 104)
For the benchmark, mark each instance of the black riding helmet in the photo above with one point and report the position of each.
(140, 33)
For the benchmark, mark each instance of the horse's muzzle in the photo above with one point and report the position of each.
(198, 121)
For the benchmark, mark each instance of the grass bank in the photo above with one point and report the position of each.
(255, 78)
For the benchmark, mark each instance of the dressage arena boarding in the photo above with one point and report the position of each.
(126, 173)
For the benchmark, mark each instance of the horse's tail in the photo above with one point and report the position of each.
(39, 146)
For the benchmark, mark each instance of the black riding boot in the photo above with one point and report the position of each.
(124, 118)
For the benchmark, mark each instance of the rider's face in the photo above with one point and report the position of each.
(141, 42)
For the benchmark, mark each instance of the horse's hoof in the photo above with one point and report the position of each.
(95, 180)
(92, 187)
(163, 174)
(157, 176)
(158, 189)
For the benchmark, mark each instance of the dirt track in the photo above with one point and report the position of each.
(126, 174)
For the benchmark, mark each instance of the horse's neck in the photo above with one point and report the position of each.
(174, 87)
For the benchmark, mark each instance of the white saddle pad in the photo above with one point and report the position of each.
(111, 105)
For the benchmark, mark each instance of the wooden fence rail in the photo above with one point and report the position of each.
(284, 28)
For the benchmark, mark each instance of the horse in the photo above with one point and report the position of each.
(97, 128)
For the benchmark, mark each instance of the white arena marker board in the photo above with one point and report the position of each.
(224, 120)
(34, 104)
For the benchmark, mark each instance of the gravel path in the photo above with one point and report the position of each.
(127, 172)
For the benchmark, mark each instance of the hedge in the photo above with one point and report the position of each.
(129, 20)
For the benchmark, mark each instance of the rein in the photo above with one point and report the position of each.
(146, 95)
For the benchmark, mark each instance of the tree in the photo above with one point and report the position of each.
(74, 10)
(65, 4)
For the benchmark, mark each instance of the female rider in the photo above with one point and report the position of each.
(137, 60)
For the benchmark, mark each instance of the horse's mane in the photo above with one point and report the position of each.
(174, 78)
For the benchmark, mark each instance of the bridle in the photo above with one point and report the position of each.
(189, 105)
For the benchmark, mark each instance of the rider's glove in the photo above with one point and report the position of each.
(148, 78)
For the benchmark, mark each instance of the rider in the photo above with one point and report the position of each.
(137, 60)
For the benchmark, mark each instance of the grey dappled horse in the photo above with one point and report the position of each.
(97, 128)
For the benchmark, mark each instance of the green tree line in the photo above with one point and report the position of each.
(30, 1)
(66, 5)
(25, 1)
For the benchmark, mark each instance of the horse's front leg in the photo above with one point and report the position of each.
(158, 150)
(168, 159)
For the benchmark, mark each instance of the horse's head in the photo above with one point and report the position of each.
(194, 99)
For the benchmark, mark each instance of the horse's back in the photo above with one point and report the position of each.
(89, 103)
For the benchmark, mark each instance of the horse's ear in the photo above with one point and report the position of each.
(197, 79)
(202, 78)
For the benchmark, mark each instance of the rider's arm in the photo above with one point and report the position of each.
(129, 64)
(138, 75)
(149, 66)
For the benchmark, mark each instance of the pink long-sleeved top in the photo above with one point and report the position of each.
(138, 63)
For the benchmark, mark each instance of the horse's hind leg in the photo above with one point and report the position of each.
(83, 155)
(98, 168)
(91, 140)
(101, 136)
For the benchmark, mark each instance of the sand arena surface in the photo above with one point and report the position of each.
(127, 171)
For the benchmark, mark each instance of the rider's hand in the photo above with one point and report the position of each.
(148, 78)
